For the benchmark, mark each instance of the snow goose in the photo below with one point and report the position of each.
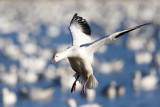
(72, 103)
(90, 95)
(80, 54)
(8, 97)
(148, 82)
(37, 94)
(11, 77)
(111, 91)
(121, 90)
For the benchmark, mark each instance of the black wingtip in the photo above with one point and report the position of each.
(148, 23)
(131, 29)
(75, 15)
(83, 23)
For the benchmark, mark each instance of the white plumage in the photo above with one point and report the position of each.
(72, 103)
(80, 54)
(148, 82)
(111, 91)
(8, 98)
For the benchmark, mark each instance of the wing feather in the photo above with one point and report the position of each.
(80, 30)
(94, 46)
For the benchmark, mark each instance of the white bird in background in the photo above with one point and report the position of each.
(37, 94)
(8, 98)
(137, 80)
(90, 95)
(148, 82)
(11, 77)
(72, 103)
(80, 54)
(121, 90)
(111, 91)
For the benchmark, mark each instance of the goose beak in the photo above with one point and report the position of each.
(53, 60)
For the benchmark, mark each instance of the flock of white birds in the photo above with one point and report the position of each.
(24, 20)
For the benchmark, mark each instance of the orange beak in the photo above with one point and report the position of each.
(53, 60)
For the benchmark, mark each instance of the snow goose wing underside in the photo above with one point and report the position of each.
(80, 31)
(94, 46)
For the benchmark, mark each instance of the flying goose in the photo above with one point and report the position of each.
(80, 54)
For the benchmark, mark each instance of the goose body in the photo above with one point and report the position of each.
(80, 54)
(148, 82)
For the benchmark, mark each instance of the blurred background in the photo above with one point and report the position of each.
(127, 70)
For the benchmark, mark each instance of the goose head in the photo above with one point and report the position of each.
(58, 56)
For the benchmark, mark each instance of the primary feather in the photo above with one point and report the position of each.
(80, 30)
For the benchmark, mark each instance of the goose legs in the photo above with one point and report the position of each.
(84, 86)
(74, 84)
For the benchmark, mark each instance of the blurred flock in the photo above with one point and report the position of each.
(127, 70)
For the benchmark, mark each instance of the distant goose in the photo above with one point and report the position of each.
(72, 103)
(11, 77)
(37, 94)
(80, 54)
(9, 98)
(111, 91)
(148, 82)
(121, 90)
(90, 95)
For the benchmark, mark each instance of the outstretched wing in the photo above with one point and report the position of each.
(80, 30)
(94, 46)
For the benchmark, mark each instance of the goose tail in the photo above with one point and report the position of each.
(92, 82)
